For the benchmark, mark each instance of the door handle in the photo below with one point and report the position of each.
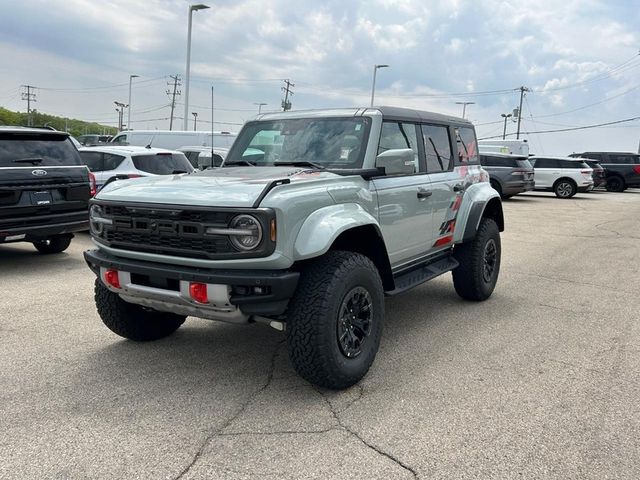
(458, 188)
(423, 193)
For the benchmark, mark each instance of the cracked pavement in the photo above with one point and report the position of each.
(540, 381)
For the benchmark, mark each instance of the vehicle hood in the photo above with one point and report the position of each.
(221, 187)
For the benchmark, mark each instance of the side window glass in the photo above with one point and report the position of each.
(467, 146)
(111, 162)
(437, 148)
(397, 135)
(93, 160)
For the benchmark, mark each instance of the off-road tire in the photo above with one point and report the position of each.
(313, 316)
(56, 244)
(615, 184)
(133, 321)
(468, 278)
(565, 188)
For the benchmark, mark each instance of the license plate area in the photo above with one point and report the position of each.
(40, 198)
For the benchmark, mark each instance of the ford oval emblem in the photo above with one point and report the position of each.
(39, 172)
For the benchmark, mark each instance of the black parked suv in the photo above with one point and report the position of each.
(44, 188)
(621, 168)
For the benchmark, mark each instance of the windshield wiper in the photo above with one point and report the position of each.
(32, 160)
(240, 162)
(299, 163)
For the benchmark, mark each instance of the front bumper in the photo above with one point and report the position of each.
(233, 294)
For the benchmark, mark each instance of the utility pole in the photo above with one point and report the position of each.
(172, 95)
(195, 119)
(29, 96)
(120, 109)
(286, 104)
(464, 106)
(522, 91)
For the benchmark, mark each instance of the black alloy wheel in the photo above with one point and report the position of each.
(354, 321)
(489, 260)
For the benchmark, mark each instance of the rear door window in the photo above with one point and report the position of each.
(93, 160)
(437, 148)
(467, 146)
(546, 163)
(162, 163)
(112, 161)
(20, 150)
(625, 159)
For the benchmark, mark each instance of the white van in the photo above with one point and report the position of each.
(173, 139)
(509, 147)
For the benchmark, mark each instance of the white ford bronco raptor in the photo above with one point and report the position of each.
(313, 218)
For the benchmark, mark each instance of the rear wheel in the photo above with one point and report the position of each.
(133, 321)
(615, 184)
(479, 260)
(565, 188)
(56, 244)
(335, 319)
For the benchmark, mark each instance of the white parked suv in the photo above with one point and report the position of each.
(562, 175)
(131, 162)
(204, 157)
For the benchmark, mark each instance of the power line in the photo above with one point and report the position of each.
(583, 127)
(105, 87)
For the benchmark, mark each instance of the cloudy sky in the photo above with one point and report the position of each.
(578, 57)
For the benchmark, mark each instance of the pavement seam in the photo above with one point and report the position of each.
(241, 410)
(378, 450)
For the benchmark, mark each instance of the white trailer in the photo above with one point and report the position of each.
(173, 139)
(512, 147)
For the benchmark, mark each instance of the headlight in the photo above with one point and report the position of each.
(249, 232)
(97, 220)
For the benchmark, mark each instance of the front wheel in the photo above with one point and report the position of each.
(476, 276)
(133, 321)
(56, 244)
(565, 188)
(335, 319)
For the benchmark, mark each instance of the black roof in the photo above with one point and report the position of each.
(409, 114)
(34, 130)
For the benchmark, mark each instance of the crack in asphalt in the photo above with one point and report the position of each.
(219, 431)
(573, 282)
(379, 451)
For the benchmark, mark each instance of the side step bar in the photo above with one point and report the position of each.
(421, 274)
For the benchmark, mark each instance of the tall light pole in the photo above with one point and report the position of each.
(260, 105)
(131, 77)
(192, 8)
(506, 116)
(373, 85)
(195, 119)
(464, 106)
(120, 109)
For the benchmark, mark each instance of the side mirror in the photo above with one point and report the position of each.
(397, 161)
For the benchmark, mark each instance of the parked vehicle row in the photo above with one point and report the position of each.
(565, 176)
(622, 169)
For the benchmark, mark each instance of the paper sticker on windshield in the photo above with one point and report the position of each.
(358, 127)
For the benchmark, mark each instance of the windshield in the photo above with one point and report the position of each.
(325, 142)
(162, 163)
(18, 150)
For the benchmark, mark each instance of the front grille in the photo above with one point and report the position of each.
(177, 231)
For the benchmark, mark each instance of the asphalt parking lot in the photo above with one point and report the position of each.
(540, 381)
